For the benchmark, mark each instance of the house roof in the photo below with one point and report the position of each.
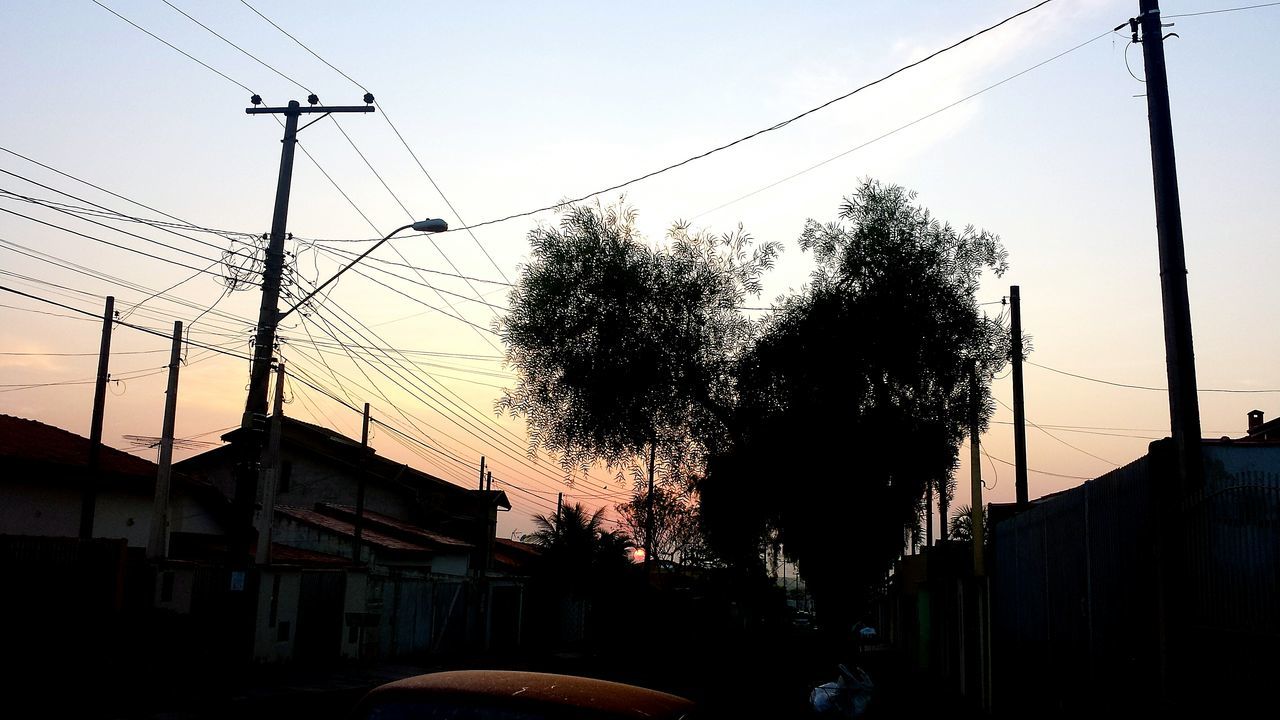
(393, 526)
(513, 554)
(349, 451)
(285, 555)
(35, 442)
(372, 536)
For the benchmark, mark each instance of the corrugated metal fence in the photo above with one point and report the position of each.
(1124, 594)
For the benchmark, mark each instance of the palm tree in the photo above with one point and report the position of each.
(576, 549)
(961, 527)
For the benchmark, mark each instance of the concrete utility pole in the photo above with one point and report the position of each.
(1184, 401)
(89, 495)
(481, 472)
(269, 310)
(975, 476)
(158, 543)
(928, 514)
(270, 468)
(942, 510)
(1019, 409)
(360, 482)
(648, 515)
(559, 507)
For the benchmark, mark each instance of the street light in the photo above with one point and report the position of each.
(430, 225)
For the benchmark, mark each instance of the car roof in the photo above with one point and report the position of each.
(513, 689)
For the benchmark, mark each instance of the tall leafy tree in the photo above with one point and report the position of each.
(855, 395)
(621, 346)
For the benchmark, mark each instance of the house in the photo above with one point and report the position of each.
(420, 582)
(321, 467)
(45, 471)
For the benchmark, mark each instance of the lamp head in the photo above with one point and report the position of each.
(431, 225)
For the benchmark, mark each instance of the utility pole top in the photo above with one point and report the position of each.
(295, 108)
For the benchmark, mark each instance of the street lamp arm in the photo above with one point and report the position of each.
(421, 225)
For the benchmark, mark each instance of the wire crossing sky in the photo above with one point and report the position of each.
(1030, 127)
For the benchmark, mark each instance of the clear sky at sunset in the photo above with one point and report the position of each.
(512, 106)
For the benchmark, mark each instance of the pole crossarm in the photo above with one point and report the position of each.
(300, 110)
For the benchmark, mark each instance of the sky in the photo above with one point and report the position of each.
(514, 106)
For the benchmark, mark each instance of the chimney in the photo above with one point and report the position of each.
(1255, 420)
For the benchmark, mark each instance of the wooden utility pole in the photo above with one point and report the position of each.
(1019, 409)
(158, 543)
(89, 495)
(360, 484)
(559, 508)
(975, 476)
(481, 472)
(1180, 363)
(488, 480)
(270, 467)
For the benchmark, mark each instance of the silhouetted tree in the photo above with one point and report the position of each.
(962, 524)
(619, 345)
(855, 395)
(677, 532)
(578, 554)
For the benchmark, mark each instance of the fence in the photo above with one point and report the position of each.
(1125, 594)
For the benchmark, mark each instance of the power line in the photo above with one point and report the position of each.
(1042, 472)
(1144, 387)
(350, 254)
(253, 57)
(1223, 10)
(757, 133)
(1055, 437)
(300, 44)
(175, 48)
(89, 272)
(125, 247)
(712, 151)
(899, 129)
(398, 134)
(140, 328)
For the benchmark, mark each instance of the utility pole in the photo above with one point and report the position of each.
(488, 481)
(481, 472)
(360, 483)
(1184, 402)
(269, 310)
(270, 467)
(648, 515)
(158, 543)
(975, 476)
(559, 508)
(942, 509)
(928, 514)
(1019, 408)
(89, 496)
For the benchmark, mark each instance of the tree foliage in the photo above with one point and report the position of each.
(819, 426)
(856, 393)
(677, 534)
(577, 552)
(618, 345)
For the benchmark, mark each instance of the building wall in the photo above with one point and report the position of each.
(54, 511)
(44, 510)
(314, 481)
(274, 636)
